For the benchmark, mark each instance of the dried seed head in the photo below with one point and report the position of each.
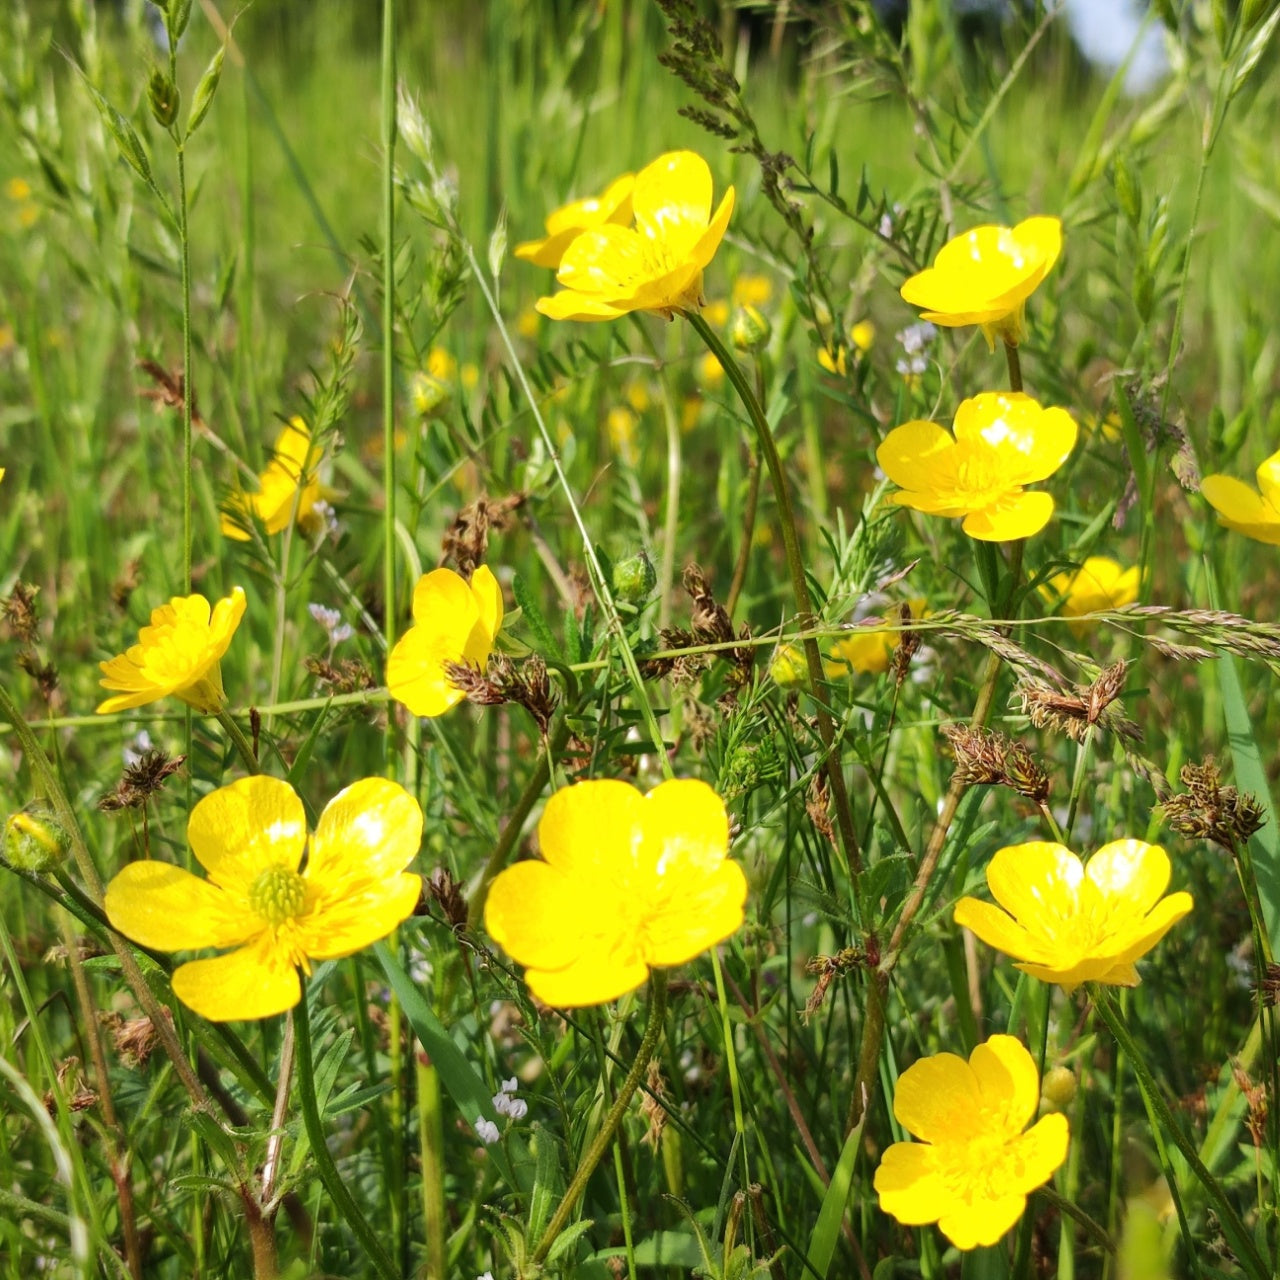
(986, 758)
(827, 968)
(21, 615)
(1209, 811)
(651, 1106)
(466, 541)
(445, 890)
(141, 780)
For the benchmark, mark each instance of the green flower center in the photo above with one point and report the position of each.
(278, 894)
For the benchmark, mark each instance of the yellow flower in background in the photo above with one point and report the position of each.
(752, 291)
(566, 224)
(620, 423)
(427, 394)
(788, 666)
(833, 362)
(1099, 583)
(18, 190)
(974, 1167)
(863, 335)
(454, 621)
(260, 899)
(626, 882)
(528, 323)
(656, 265)
(178, 655)
(1003, 440)
(1068, 922)
(986, 275)
(636, 391)
(469, 375)
(716, 313)
(1253, 512)
(710, 371)
(288, 484)
(442, 364)
(867, 649)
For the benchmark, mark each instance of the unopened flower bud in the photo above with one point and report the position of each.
(163, 97)
(1058, 1089)
(634, 579)
(749, 329)
(34, 842)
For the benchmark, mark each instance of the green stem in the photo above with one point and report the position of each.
(388, 323)
(342, 1199)
(748, 531)
(1240, 1239)
(799, 584)
(188, 391)
(1015, 365)
(239, 740)
(600, 1144)
(1073, 1211)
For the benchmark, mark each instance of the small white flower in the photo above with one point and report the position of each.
(327, 618)
(517, 1108)
(916, 337)
(487, 1132)
(510, 1086)
(488, 1275)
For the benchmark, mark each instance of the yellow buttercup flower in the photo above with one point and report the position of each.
(1003, 440)
(1068, 922)
(567, 223)
(442, 364)
(974, 1167)
(1253, 512)
(454, 621)
(288, 484)
(656, 265)
(627, 882)
(986, 275)
(177, 654)
(1099, 583)
(259, 898)
(863, 335)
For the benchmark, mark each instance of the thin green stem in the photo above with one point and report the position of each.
(599, 584)
(799, 583)
(748, 531)
(342, 1199)
(1073, 1211)
(388, 323)
(1241, 1240)
(600, 1144)
(188, 390)
(1015, 365)
(239, 740)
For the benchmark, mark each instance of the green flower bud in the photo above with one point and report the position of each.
(1058, 1089)
(634, 579)
(163, 98)
(34, 842)
(749, 329)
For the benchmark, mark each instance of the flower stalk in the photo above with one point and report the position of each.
(601, 1142)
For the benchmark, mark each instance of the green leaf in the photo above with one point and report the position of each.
(826, 1231)
(461, 1081)
(203, 98)
(123, 132)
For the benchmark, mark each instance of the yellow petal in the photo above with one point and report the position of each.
(258, 981)
(224, 620)
(981, 1222)
(533, 912)
(1242, 508)
(1136, 941)
(239, 830)
(416, 674)
(998, 929)
(367, 834)
(1040, 1152)
(938, 1100)
(708, 242)
(672, 192)
(488, 598)
(165, 907)
(1009, 1081)
(366, 913)
(1268, 475)
(590, 830)
(1035, 882)
(1017, 516)
(909, 1186)
(569, 305)
(608, 263)
(910, 453)
(443, 600)
(707, 908)
(593, 979)
(685, 829)
(1131, 870)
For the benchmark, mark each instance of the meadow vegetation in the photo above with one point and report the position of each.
(730, 736)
